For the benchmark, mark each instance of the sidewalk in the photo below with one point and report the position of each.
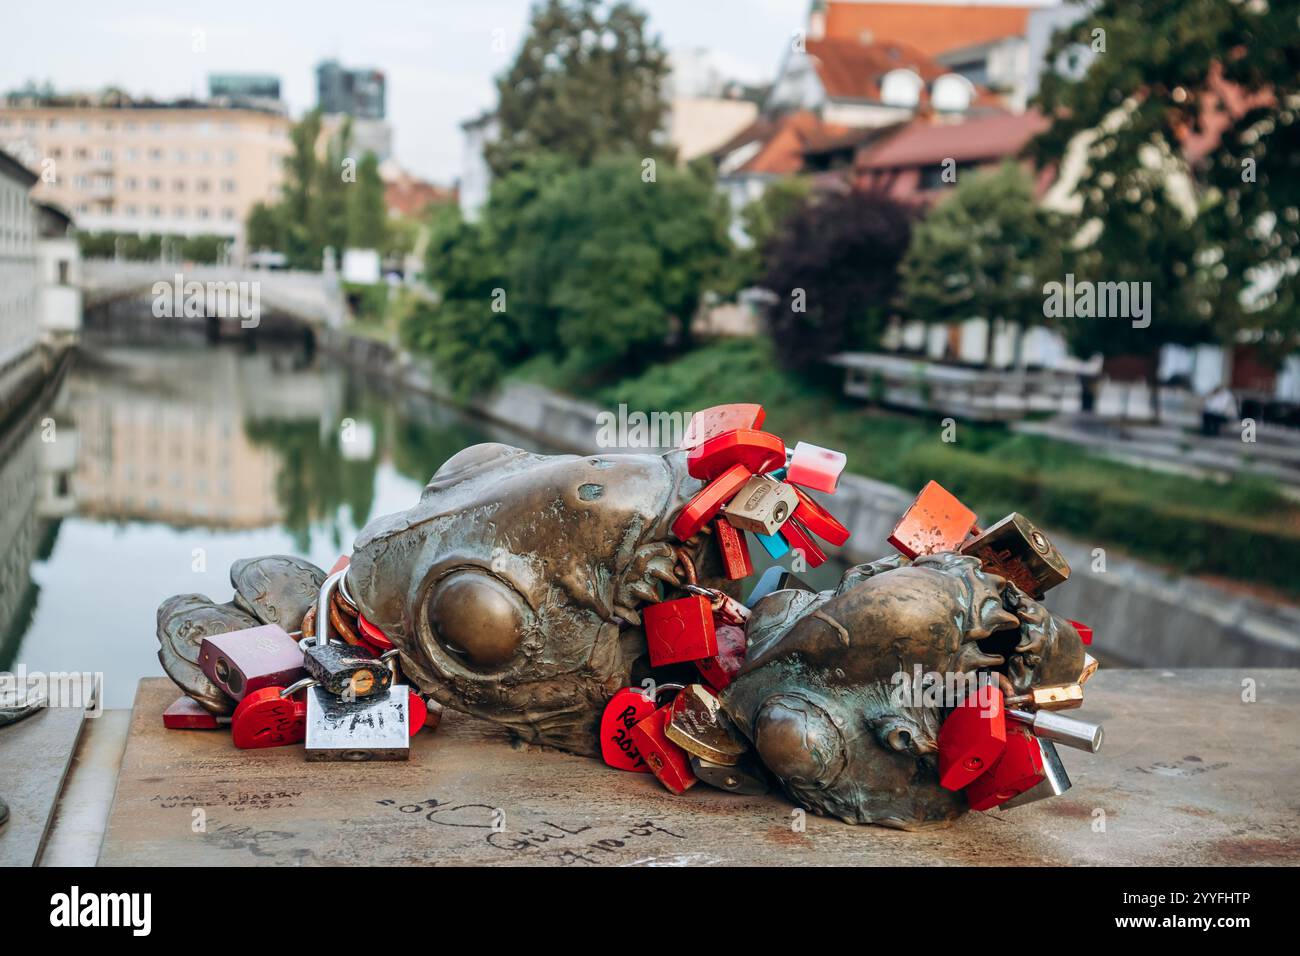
(1178, 446)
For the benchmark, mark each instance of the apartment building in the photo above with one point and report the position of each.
(180, 169)
(19, 287)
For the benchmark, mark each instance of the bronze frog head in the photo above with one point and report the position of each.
(513, 591)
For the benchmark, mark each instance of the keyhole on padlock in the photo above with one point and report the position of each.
(231, 678)
(362, 682)
(780, 511)
(974, 763)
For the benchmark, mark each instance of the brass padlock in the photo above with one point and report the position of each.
(761, 506)
(1066, 697)
(696, 724)
(1022, 554)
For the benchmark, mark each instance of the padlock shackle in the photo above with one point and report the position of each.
(323, 606)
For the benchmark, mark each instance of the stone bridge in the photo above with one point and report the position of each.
(314, 298)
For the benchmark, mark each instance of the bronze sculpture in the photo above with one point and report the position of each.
(513, 591)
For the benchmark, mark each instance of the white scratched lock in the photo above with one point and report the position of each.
(373, 728)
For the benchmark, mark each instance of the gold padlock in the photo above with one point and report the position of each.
(1064, 697)
(762, 506)
(1021, 553)
(697, 726)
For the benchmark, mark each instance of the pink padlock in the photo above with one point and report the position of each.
(815, 467)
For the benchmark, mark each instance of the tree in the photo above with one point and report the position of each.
(594, 267)
(984, 252)
(265, 228)
(367, 215)
(1162, 70)
(587, 81)
(834, 271)
(614, 261)
(297, 214)
(336, 178)
(471, 340)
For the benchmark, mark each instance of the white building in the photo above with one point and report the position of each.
(20, 329)
(58, 268)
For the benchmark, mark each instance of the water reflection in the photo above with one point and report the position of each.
(153, 467)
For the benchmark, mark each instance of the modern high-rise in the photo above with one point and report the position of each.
(183, 168)
(358, 93)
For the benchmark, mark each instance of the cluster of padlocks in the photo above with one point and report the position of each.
(340, 698)
(999, 747)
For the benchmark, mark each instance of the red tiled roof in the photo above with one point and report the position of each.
(930, 28)
(783, 140)
(849, 69)
(924, 143)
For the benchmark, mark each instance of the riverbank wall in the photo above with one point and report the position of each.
(1142, 615)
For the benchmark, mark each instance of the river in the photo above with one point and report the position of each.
(155, 464)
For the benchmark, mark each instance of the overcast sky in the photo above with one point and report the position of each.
(438, 55)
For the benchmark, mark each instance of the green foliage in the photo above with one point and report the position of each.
(587, 81)
(471, 344)
(369, 301)
(612, 263)
(1162, 67)
(205, 248)
(594, 266)
(984, 252)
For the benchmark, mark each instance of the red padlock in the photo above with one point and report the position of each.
(936, 521)
(732, 644)
(679, 631)
(711, 422)
(418, 712)
(1019, 769)
(972, 738)
(757, 451)
(667, 761)
(1085, 632)
(818, 520)
(373, 636)
(797, 536)
(624, 711)
(705, 506)
(736, 563)
(265, 719)
(186, 713)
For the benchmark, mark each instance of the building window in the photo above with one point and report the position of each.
(155, 184)
(201, 186)
(203, 212)
(178, 185)
(131, 184)
(181, 156)
(179, 212)
(932, 177)
(228, 214)
(227, 185)
(232, 157)
(155, 155)
(106, 155)
(155, 211)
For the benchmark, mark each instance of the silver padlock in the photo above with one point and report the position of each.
(746, 777)
(372, 728)
(762, 506)
(1055, 782)
(1050, 725)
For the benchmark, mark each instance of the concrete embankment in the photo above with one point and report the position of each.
(1142, 615)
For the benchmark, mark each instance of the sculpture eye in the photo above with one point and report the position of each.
(799, 742)
(477, 617)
